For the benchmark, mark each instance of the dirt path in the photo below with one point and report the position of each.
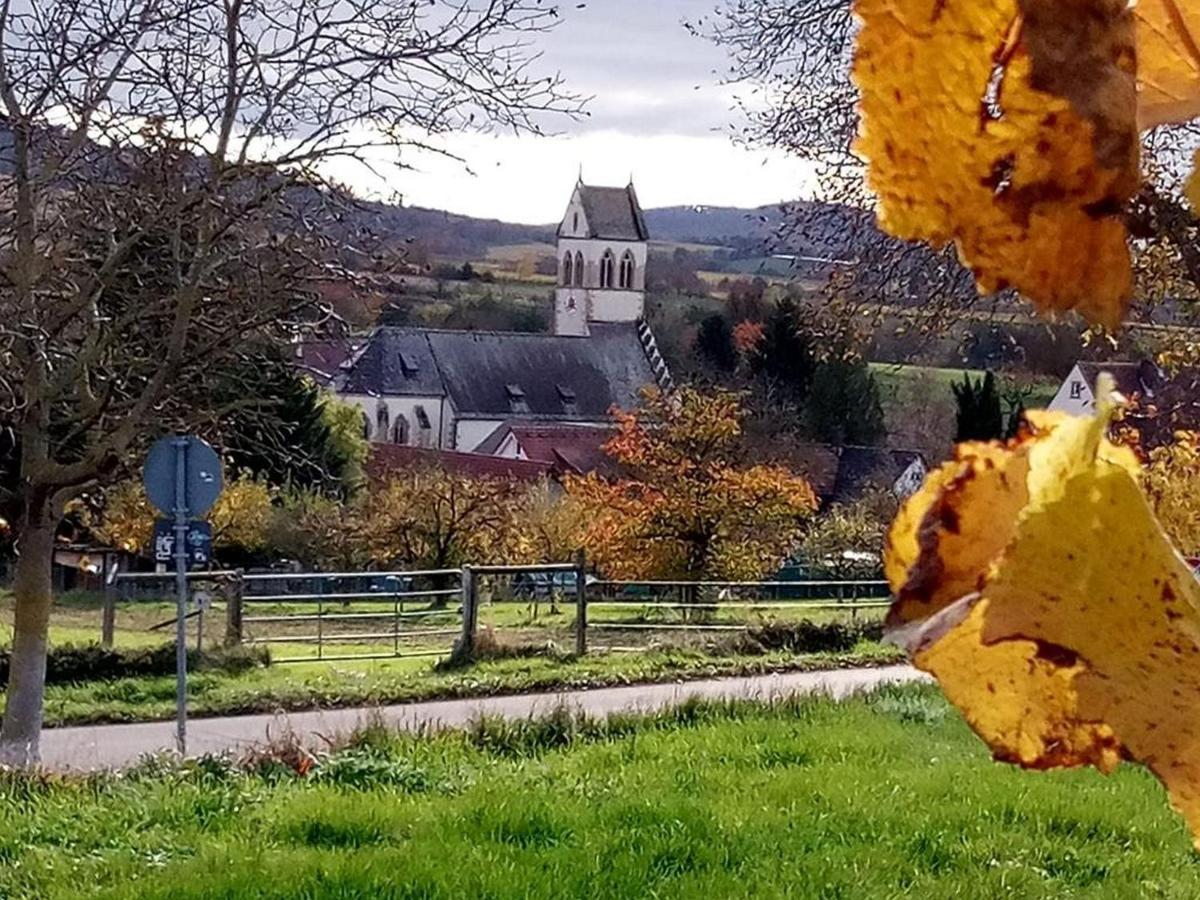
(115, 746)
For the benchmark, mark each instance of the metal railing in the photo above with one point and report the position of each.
(342, 616)
(390, 618)
(697, 607)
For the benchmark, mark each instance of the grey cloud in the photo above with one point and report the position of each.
(612, 48)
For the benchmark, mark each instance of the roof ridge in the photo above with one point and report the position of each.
(418, 329)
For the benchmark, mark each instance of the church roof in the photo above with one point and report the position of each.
(613, 213)
(490, 375)
(397, 362)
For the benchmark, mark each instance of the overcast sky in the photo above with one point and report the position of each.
(658, 114)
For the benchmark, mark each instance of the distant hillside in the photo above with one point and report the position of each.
(724, 225)
(818, 229)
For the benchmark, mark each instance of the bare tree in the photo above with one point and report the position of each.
(794, 57)
(163, 201)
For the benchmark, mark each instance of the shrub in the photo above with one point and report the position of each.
(90, 662)
(807, 637)
(490, 646)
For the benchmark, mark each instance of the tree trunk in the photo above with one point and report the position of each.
(22, 724)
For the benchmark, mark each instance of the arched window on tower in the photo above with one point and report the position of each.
(579, 269)
(608, 263)
(568, 273)
(366, 427)
(627, 266)
(382, 420)
(400, 429)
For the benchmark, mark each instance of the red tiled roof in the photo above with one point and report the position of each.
(575, 448)
(323, 359)
(388, 458)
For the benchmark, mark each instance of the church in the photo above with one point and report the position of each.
(460, 390)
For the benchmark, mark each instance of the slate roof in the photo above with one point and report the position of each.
(613, 213)
(860, 468)
(494, 375)
(396, 362)
(843, 474)
(385, 459)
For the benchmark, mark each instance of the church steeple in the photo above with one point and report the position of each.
(603, 246)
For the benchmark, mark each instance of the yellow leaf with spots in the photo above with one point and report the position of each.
(1010, 128)
(1052, 608)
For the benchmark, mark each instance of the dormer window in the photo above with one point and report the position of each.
(567, 396)
(516, 398)
(409, 365)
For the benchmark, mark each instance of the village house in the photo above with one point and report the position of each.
(1077, 395)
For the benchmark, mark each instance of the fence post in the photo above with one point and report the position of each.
(470, 614)
(580, 604)
(233, 611)
(108, 614)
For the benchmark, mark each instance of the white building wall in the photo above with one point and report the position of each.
(405, 407)
(1074, 396)
(470, 433)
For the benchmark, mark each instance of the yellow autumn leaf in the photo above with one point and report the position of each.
(1168, 46)
(1052, 608)
(1009, 128)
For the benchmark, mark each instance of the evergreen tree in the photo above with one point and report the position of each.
(980, 417)
(714, 344)
(786, 356)
(843, 404)
(290, 435)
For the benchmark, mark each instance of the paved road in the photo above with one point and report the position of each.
(114, 746)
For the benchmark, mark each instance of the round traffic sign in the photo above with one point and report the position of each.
(202, 477)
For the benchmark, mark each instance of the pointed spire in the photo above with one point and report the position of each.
(580, 181)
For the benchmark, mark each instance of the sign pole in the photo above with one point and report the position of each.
(181, 590)
(183, 479)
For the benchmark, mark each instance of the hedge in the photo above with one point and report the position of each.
(90, 662)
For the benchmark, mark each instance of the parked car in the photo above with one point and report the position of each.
(538, 585)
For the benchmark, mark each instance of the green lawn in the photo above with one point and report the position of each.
(887, 796)
(897, 381)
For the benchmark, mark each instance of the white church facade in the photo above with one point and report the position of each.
(452, 390)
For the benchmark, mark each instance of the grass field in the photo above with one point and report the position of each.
(895, 380)
(886, 796)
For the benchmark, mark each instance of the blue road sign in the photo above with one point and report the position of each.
(198, 542)
(202, 475)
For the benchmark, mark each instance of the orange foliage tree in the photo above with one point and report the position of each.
(688, 507)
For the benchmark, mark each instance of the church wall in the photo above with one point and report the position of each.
(406, 407)
(617, 306)
(593, 250)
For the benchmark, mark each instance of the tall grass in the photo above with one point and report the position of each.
(885, 796)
